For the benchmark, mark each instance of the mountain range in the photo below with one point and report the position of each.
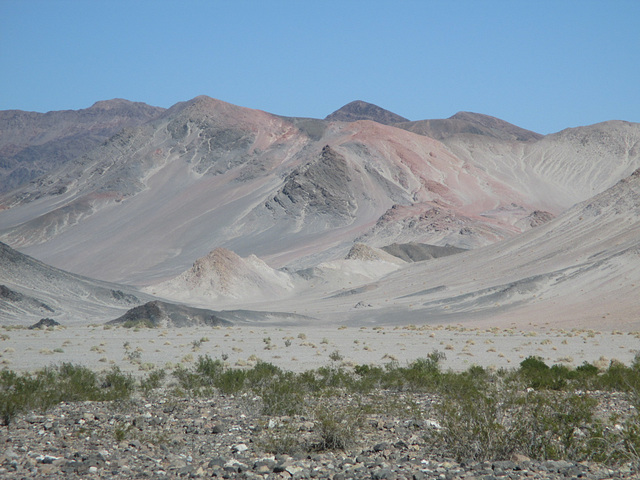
(223, 207)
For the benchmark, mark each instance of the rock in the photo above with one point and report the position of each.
(518, 458)
(217, 428)
(382, 474)
(293, 469)
(239, 448)
(387, 445)
(44, 323)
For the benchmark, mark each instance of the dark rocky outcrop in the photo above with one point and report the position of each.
(319, 187)
(44, 323)
(156, 313)
(418, 252)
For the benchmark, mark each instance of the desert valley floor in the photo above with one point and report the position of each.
(301, 348)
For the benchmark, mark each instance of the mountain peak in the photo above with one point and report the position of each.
(359, 110)
(499, 127)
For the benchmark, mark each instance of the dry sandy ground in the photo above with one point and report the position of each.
(300, 348)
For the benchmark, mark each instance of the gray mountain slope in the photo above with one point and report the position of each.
(207, 174)
(33, 144)
(580, 268)
(162, 314)
(30, 290)
(459, 124)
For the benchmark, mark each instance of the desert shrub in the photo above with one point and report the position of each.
(201, 379)
(337, 427)
(368, 378)
(139, 323)
(282, 440)
(283, 396)
(262, 374)
(619, 377)
(547, 425)
(617, 445)
(536, 374)
(586, 370)
(493, 422)
(474, 426)
(421, 374)
(152, 381)
(208, 368)
(469, 383)
(117, 385)
(52, 385)
(231, 381)
(333, 377)
(17, 393)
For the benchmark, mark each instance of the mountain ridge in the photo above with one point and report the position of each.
(291, 197)
(258, 184)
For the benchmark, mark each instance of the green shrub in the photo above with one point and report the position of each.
(282, 396)
(494, 422)
(538, 375)
(153, 381)
(230, 381)
(337, 427)
(619, 377)
(547, 424)
(282, 440)
(52, 385)
(17, 393)
(474, 426)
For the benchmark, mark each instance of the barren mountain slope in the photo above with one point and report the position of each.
(581, 269)
(298, 192)
(222, 277)
(33, 144)
(31, 290)
(561, 169)
(207, 174)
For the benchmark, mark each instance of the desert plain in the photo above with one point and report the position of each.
(300, 348)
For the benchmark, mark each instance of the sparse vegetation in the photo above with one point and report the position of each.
(537, 410)
(64, 383)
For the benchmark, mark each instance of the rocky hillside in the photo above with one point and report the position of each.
(32, 144)
(278, 203)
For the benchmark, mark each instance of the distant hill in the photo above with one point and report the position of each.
(359, 110)
(470, 123)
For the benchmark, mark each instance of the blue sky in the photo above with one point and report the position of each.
(542, 65)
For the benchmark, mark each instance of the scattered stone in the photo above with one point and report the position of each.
(142, 439)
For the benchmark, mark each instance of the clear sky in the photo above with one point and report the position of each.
(543, 65)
